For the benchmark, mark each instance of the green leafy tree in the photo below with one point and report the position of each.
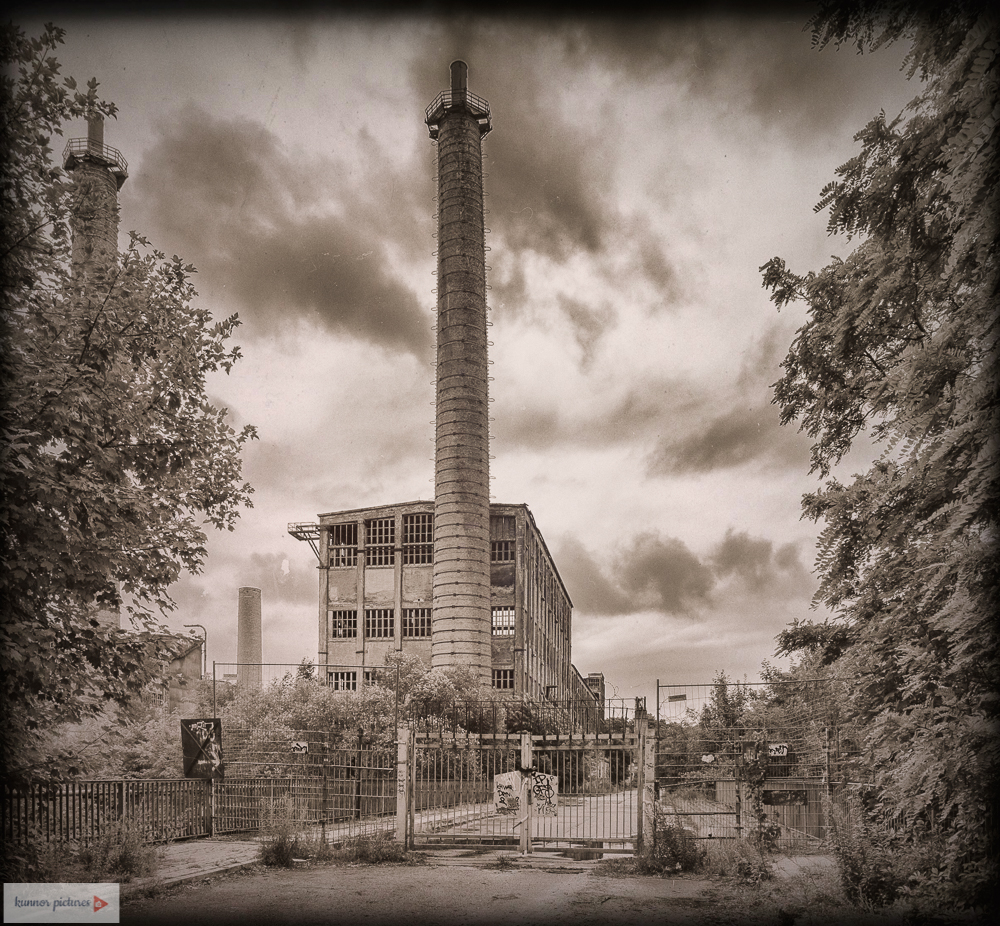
(113, 457)
(900, 344)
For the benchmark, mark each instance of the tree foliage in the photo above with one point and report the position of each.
(114, 458)
(900, 343)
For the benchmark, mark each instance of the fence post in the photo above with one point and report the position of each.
(527, 761)
(211, 806)
(647, 787)
(402, 791)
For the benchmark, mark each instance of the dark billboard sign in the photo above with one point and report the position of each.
(201, 742)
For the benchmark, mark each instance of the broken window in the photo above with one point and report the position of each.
(502, 551)
(418, 539)
(416, 622)
(379, 623)
(380, 539)
(503, 678)
(343, 681)
(343, 623)
(344, 544)
(503, 622)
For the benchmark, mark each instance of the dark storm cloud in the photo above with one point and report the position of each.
(548, 177)
(665, 574)
(591, 590)
(761, 63)
(642, 411)
(662, 574)
(737, 437)
(283, 238)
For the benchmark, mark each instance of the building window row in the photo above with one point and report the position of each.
(416, 622)
(503, 622)
(380, 540)
(503, 679)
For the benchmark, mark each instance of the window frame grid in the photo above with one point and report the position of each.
(344, 619)
(342, 547)
(380, 542)
(418, 539)
(380, 619)
(342, 680)
(416, 618)
(503, 620)
(506, 676)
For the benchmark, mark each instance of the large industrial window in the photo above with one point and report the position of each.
(379, 622)
(503, 622)
(418, 539)
(343, 623)
(343, 681)
(344, 545)
(380, 538)
(502, 551)
(416, 622)
(503, 678)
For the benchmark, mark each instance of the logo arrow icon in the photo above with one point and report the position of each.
(98, 903)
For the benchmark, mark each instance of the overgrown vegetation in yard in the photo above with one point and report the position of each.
(120, 855)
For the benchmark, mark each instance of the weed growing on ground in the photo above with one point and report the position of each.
(119, 854)
(740, 859)
(282, 842)
(375, 849)
(669, 848)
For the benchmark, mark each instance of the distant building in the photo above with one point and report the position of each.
(376, 592)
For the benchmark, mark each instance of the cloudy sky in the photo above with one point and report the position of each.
(639, 173)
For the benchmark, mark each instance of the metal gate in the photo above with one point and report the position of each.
(591, 801)
(734, 760)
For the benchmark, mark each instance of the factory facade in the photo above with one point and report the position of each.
(376, 598)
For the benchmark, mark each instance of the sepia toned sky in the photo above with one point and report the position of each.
(638, 174)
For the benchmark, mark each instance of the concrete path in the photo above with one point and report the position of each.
(198, 858)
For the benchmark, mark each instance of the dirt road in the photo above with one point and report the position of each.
(447, 895)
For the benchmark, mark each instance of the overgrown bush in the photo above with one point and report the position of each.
(119, 854)
(740, 859)
(374, 849)
(669, 848)
(864, 861)
(282, 841)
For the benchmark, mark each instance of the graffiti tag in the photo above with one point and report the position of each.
(506, 793)
(544, 793)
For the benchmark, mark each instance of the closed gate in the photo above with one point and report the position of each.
(567, 791)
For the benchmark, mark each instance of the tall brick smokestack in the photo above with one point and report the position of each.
(461, 628)
(249, 653)
(99, 172)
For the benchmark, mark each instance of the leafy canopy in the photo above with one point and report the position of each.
(900, 343)
(114, 458)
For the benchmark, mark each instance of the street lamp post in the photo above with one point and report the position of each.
(204, 648)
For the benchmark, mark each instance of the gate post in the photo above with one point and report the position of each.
(527, 762)
(647, 788)
(402, 780)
